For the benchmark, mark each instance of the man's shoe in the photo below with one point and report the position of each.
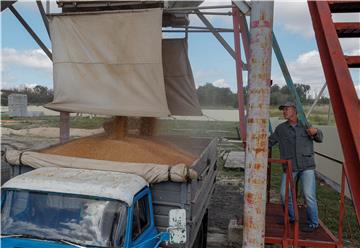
(310, 228)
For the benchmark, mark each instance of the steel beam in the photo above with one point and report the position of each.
(316, 100)
(218, 36)
(64, 127)
(289, 82)
(344, 99)
(239, 71)
(348, 29)
(192, 12)
(31, 32)
(6, 4)
(261, 21)
(47, 4)
(353, 61)
(198, 8)
(245, 37)
(43, 16)
(195, 31)
(243, 6)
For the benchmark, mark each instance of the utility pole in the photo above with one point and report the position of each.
(261, 22)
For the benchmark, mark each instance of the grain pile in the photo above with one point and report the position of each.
(148, 126)
(136, 149)
(117, 127)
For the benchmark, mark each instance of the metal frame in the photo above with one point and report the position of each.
(286, 240)
(239, 71)
(342, 93)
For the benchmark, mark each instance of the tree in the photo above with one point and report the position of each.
(210, 95)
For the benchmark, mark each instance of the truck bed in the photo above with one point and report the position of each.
(193, 196)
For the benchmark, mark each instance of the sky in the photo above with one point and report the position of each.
(23, 63)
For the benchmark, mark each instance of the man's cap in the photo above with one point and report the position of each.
(287, 104)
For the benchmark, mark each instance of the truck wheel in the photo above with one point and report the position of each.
(201, 237)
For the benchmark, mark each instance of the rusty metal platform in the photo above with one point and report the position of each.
(274, 230)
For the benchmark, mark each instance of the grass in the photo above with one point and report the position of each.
(319, 116)
(50, 121)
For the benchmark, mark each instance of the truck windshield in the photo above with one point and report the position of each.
(85, 220)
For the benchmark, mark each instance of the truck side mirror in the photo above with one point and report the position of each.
(177, 226)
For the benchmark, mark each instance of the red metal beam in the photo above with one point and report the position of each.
(239, 70)
(344, 6)
(245, 37)
(347, 29)
(353, 61)
(342, 92)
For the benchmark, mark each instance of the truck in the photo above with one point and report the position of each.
(56, 206)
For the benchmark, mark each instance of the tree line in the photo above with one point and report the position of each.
(208, 94)
(37, 95)
(212, 96)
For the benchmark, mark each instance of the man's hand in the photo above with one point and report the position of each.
(311, 131)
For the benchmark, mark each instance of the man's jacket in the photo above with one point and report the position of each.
(296, 145)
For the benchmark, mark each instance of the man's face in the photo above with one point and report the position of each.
(289, 113)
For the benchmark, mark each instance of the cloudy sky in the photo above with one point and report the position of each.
(24, 63)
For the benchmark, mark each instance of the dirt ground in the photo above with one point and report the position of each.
(226, 203)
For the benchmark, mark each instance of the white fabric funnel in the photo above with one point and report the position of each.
(179, 80)
(108, 63)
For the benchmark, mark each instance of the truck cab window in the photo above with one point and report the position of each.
(141, 216)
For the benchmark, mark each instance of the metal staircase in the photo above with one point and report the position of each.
(336, 64)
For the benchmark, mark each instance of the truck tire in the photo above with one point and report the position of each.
(201, 237)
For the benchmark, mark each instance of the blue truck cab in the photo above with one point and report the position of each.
(62, 207)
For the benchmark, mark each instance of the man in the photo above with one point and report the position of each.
(296, 144)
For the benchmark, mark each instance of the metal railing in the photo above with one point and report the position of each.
(291, 185)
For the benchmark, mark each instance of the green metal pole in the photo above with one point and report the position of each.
(289, 82)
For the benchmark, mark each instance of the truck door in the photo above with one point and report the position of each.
(143, 229)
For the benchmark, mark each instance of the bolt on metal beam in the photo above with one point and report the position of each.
(261, 22)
